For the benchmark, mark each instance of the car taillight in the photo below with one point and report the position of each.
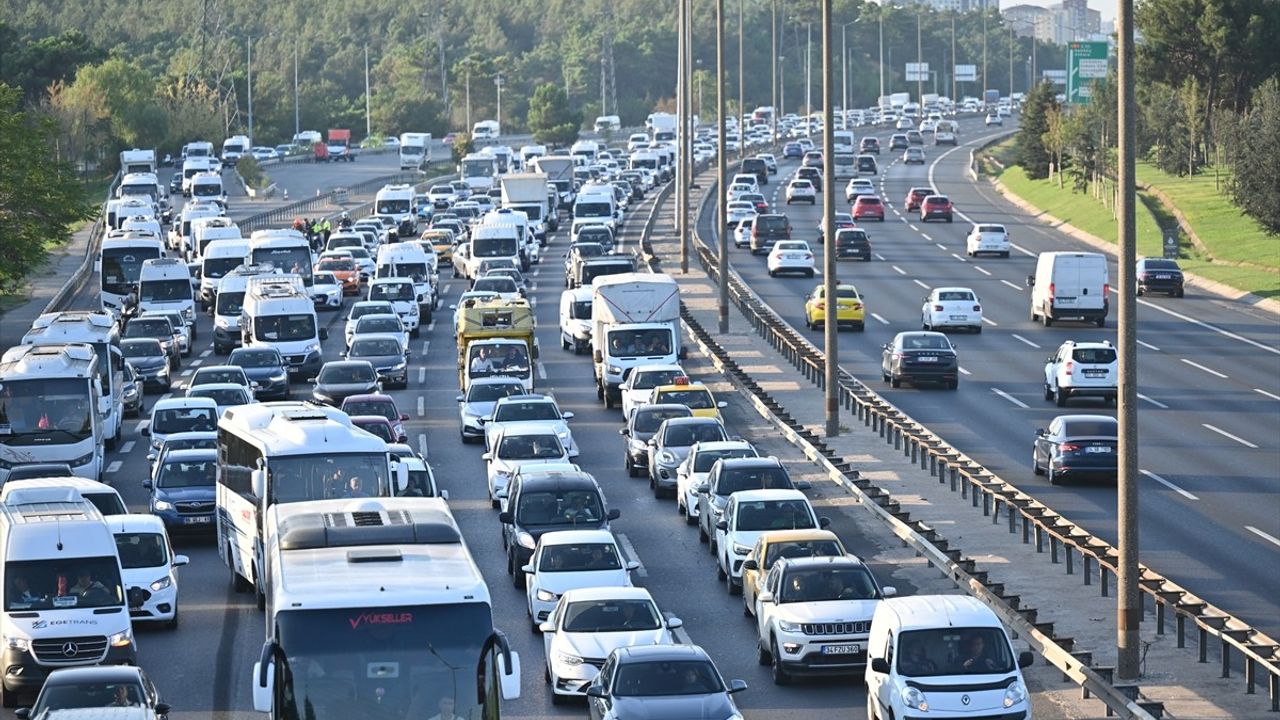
(937, 308)
(1145, 276)
(977, 308)
(1106, 290)
(1069, 447)
(1068, 367)
(807, 256)
(821, 305)
(1051, 286)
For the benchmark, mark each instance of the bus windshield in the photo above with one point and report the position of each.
(394, 207)
(164, 290)
(70, 583)
(121, 267)
(294, 259)
(43, 411)
(298, 478)
(215, 268)
(477, 168)
(493, 247)
(426, 660)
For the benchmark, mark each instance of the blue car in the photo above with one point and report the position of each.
(182, 491)
(792, 150)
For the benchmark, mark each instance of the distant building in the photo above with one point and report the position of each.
(1025, 19)
(1059, 24)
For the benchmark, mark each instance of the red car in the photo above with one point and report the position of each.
(868, 206)
(377, 404)
(915, 196)
(935, 206)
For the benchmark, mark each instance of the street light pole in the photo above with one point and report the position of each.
(984, 50)
(880, 15)
(742, 83)
(808, 74)
(954, 97)
(722, 225)
(497, 80)
(829, 325)
(682, 111)
(297, 126)
(1011, 62)
(368, 123)
(773, 69)
(844, 68)
(248, 47)
(919, 62)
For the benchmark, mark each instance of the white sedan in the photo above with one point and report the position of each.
(326, 290)
(742, 233)
(737, 211)
(858, 186)
(520, 445)
(790, 256)
(571, 559)
(737, 190)
(590, 623)
(799, 190)
(951, 307)
(987, 238)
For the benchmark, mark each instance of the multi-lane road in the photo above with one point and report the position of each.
(1209, 379)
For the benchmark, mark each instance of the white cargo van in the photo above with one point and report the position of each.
(1070, 286)
(277, 314)
(397, 200)
(207, 186)
(485, 130)
(944, 655)
(63, 489)
(409, 260)
(575, 319)
(228, 302)
(219, 258)
(164, 284)
(403, 296)
(193, 166)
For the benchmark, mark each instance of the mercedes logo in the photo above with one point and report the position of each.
(964, 699)
(70, 649)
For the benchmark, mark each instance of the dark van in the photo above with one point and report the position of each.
(758, 167)
(767, 230)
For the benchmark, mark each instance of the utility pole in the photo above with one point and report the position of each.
(742, 82)
(469, 126)
(722, 225)
(919, 63)
(844, 70)
(829, 326)
(682, 111)
(1011, 62)
(808, 74)
(880, 15)
(497, 80)
(773, 69)
(954, 97)
(368, 124)
(1128, 602)
(782, 82)
(984, 50)
(604, 64)
(248, 47)
(297, 126)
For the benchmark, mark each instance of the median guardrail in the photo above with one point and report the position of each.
(1066, 542)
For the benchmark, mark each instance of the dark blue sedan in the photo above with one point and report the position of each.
(1075, 447)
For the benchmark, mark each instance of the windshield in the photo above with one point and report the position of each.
(87, 696)
(580, 310)
(381, 408)
(164, 290)
(381, 429)
(149, 327)
(828, 583)
(415, 270)
(141, 348)
(492, 392)
(419, 661)
(84, 582)
(762, 515)
(175, 420)
(732, 481)
(686, 434)
(648, 421)
(379, 325)
(530, 447)
(229, 303)
(594, 270)
(486, 361)
(597, 616)
(374, 347)
(517, 411)
(346, 373)
(179, 474)
(477, 168)
(393, 291)
(495, 285)
(38, 411)
(217, 375)
(636, 343)
(954, 651)
(298, 478)
(667, 677)
(1095, 356)
(337, 265)
(580, 557)
(206, 189)
(394, 207)
(650, 379)
(283, 328)
(493, 247)
(221, 396)
(218, 267)
(955, 295)
(592, 209)
(294, 259)
(924, 342)
(121, 267)
(703, 461)
(693, 399)
(800, 548)
(1090, 428)
(362, 309)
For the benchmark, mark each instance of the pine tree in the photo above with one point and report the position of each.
(1031, 152)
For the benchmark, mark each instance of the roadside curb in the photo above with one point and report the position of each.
(1212, 287)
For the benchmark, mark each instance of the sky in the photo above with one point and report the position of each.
(1108, 9)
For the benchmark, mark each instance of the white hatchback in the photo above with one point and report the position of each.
(799, 190)
(639, 385)
(148, 567)
(790, 256)
(951, 307)
(737, 211)
(987, 238)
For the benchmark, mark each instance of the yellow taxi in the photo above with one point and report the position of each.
(779, 544)
(442, 241)
(694, 396)
(849, 308)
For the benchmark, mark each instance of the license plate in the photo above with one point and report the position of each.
(1098, 449)
(928, 359)
(1162, 277)
(841, 649)
(1095, 373)
(957, 317)
(1064, 301)
(197, 520)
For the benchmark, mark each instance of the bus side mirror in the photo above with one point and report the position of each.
(402, 477)
(264, 673)
(510, 681)
(258, 481)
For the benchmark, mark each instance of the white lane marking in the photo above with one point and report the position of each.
(1273, 396)
(431, 326)
(1198, 366)
(196, 363)
(138, 428)
(1215, 328)
(186, 372)
(899, 270)
(982, 270)
(921, 284)
(926, 237)
(1009, 397)
(1168, 484)
(1148, 346)
(114, 466)
(631, 554)
(1265, 536)
(206, 353)
(422, 375)
(533, 302)
(941, 246)
(1153, 401)
(1015, 287)
(964, 372)
(444, 289)
(954, 255)
(426, 345)
(877, 317)
(422, 406)
(989, 321)
(879, 256)
(542, 371)
(1228, 435)
(422, 444)
(913, 227)
(1021, 339)
(1022, 250)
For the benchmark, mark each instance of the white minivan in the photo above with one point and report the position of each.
(164, 284)
(1070, 286)
(947, 655)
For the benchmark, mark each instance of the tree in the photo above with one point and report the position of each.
(39, 196)
(551, 119)
(1255, 184)
(1031, 153)
(33, 66)
(463, 146)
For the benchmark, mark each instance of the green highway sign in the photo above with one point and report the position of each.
(1086, 62)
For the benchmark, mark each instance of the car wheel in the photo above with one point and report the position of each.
(780, 676)
(808, 273)
(1053, 476)
(1179, 292)
(1048, 392)
(238, 582)
(1004, 254)
(1046, 320)
(977, 329)
(762, 655)
(1060, 397)
(720, 573)
(1035, 463)
(558, 699)
(630, 466)
(690, 519)
(773, 274)
(860, 327)
(415, 332)
(895, 381)
(732, 587)
(173, 622)
(953, 384)
(1101, 322)
(746, 606)
(1140, 291)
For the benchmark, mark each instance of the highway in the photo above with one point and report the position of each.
(1209, 378)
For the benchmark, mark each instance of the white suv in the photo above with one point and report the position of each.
(750, 514)
(1085, 369)
(814, 615)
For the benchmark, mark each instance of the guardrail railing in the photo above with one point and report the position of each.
(1037, 522)
(85, 269)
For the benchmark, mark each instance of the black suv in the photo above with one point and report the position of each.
(899, 142)
(643, 423)
(758, 167)
(813, 175)
(542, 502)
(853, 243)
(767, 230)
(867, 164)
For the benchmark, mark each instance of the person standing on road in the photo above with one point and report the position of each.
(327, 228)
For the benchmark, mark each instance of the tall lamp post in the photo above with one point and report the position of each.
(497, 80)
(844, 66)
(829, 227)
(722, 225)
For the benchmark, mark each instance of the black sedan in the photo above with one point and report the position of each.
(340, 379)
(264, 366)
(150, 362)
(662, 682)
(920, 357)
(1077, 447)
(387, 355)
(1159, 275)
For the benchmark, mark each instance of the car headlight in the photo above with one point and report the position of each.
(614, 370)
(399, 366)
(636, 445)
(567, 659)
(189, 314)
(131, 392)
(788, 626)
(1015, 694)
(666, 457)
(913, 698)
(82, 460)
(279, 377)
(162, 505)
(564, 435)
(17, 643)
(741, 549)
(162, 583)
(548, 596)
(526, 540)
(124, 638)
(312, 348)
(413, 309)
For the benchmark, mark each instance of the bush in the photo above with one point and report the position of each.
(251, 172)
